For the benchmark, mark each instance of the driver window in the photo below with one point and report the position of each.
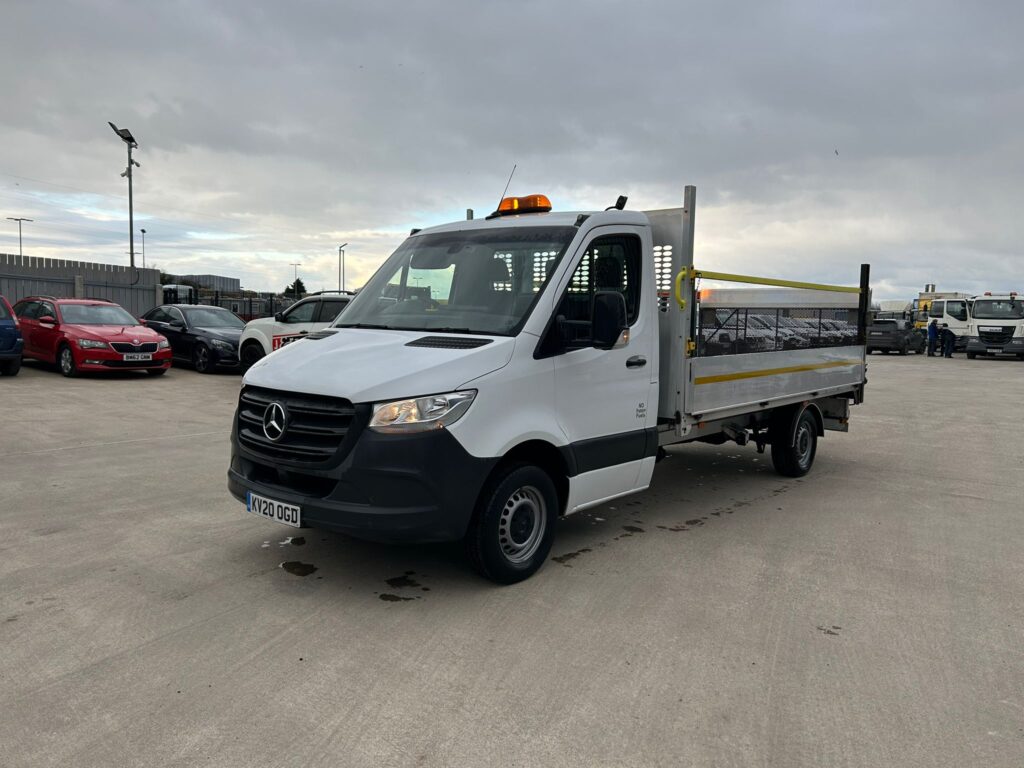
(46, 310)
(175, 316)
(301, 313)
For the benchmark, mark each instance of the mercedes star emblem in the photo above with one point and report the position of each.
(275, 420)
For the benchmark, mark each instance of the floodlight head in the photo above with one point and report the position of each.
(143, 231)
(125, 134)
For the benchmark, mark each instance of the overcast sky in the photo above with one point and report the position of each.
(270, 133)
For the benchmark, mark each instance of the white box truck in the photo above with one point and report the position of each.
(496, 374)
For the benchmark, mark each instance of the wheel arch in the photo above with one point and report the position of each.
(787, 418)
(541, 454)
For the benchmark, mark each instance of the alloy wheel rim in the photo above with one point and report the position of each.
(66, 360)
(522, 523)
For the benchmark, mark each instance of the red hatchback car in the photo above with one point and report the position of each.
(89, 335)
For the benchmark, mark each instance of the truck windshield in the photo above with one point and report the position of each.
(474, 281)
(998, 309)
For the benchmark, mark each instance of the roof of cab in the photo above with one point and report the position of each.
(553, 219)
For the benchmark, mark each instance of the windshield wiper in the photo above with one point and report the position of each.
(449, 329)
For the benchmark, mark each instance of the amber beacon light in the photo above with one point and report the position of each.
(527, 204)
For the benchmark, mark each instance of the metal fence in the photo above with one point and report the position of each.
(137, 290)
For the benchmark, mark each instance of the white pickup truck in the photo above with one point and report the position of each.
(496, 374)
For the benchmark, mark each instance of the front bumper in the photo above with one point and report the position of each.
(1015, 346)
(109, 360)
(392, 488)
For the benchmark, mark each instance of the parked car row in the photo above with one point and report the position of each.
(94, 335)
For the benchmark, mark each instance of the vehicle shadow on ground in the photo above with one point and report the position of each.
(694, 487)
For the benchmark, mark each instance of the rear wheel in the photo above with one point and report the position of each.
(10, 367)
(252, 353)
(66, 361)
(885, 351)
(903, 349)
(793, 453)
(971, 355)
(513, 527)
(202, 359)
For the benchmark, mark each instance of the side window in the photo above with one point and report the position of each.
(610, 264)
(938, 309)
(957, 309)
(26, 309)
(174, 316)
(330, 309)
(303, 312)
(46, 309)
(159, 315)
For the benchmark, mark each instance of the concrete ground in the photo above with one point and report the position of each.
(871, 614)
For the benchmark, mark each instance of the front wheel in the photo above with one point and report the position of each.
(252, 353)
(202, 359)
(513, 526)
(794, 458)
(971, 355)
(10, 367)
(66, 362)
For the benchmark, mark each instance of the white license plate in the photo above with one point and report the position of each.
(995, 350)
(876, 333)
(136, 356)
(278, 511)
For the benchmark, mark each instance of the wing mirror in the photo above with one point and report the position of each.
(279, 317)
(48, 319)
(609, 329)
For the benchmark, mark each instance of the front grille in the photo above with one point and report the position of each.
(1002, 336)
(314, 432)
(448, 342)
(124, 346)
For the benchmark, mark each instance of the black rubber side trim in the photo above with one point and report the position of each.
(609, 450)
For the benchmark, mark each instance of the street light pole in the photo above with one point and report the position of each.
(295, 285)
(19, 220)
(126, 136)
(143, 231)
(341, 266)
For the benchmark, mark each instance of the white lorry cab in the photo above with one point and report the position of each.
(952, 312)
(996, 326)
(496, 374)
(267, 334)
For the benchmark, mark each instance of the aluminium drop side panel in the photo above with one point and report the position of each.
(672, 238)
(727, 382)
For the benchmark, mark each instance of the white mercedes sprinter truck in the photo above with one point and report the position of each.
(496, 374)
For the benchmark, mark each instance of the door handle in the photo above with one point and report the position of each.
(636, 361)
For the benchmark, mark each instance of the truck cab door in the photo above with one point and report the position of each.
(603, 396)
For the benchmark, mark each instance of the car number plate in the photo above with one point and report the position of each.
(994, 350)
(135, 356)
(278, 511)
(876, 333)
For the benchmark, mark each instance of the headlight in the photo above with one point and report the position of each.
(422, 413)
(223, 346)
(91, 344)
(163, 344)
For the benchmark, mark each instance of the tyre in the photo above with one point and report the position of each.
(903, 350)
(252, 353)
(202, 358)
(885, 351)
(513, 525)
(796, 459)
(971, 355)
(10, 367)
(157, 371)
(66, 361)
